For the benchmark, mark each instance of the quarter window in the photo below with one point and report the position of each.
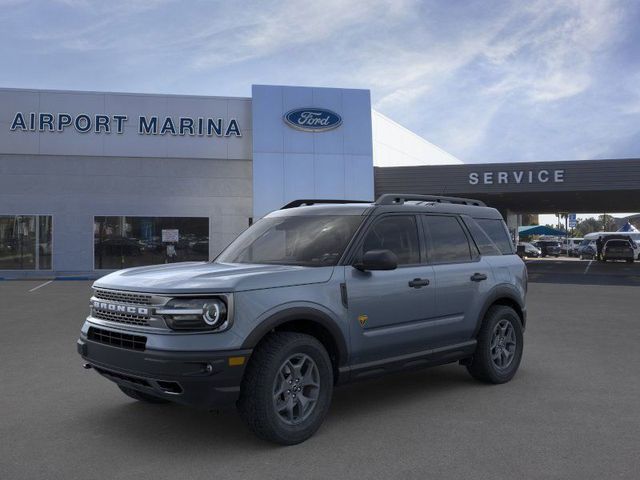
(497, 232)
(448, 242)
(484, 243)
(397, 233)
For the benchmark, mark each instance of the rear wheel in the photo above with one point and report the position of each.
(287, 388)
(141, 396)
(500, 344)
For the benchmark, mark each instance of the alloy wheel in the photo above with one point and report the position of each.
(503, 344)
(296, 389)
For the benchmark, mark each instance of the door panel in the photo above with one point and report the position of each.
(461, 277)
(398, 317)
(459, 298)
(388, 316)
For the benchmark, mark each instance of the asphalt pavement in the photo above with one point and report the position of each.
(572, 411)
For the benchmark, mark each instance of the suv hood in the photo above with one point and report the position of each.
(204, 277)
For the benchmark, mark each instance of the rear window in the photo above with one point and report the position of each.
(618, 243)
(497, 232)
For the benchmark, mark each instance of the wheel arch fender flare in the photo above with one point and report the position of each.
(505, 294)
(300, 313)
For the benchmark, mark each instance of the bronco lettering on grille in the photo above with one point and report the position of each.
(112, 307)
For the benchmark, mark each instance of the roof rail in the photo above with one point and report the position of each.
(401, 198)
(300, 203)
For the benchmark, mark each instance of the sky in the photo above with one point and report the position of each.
(487, 81)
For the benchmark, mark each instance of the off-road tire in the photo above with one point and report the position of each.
(141, 396)
(482, 366)
(256, 402)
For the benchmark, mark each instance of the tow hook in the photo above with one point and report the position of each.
(86, 366)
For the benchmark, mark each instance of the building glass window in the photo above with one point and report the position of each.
(25, 242)
(122, 242)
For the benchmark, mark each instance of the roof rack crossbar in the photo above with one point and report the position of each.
(400, 198)
(306, 202)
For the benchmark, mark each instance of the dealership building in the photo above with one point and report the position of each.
(91, 182)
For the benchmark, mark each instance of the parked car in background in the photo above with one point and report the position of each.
(548, 248)
(587, 249)
(633, 236)
(618, 249)
(570, 246)
(530, 250)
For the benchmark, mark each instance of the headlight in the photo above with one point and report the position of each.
(195, 314)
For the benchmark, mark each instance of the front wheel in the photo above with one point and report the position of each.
(287, 388)
(500, 344)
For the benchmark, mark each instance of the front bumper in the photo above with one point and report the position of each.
(199, 379)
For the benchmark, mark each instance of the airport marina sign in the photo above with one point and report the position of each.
(116, 123)
(516, 177)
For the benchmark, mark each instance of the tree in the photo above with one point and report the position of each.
(607, 221)
(588, 225)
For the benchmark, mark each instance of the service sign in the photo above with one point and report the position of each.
(517, 177)
(312, 119)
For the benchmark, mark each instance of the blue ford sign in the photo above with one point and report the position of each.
(312, 119)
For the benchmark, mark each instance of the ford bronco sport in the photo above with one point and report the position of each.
(318, 293)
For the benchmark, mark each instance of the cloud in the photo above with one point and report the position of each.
(550, 58)
(286, 24)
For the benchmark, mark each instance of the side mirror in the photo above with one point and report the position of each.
(377, 260)
(520, 250)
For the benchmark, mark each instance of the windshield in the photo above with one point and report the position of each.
(310, 241)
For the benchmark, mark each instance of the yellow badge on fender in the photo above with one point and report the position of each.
(362, 319)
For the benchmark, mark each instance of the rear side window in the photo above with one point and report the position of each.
(497, 232)
(398, 233)
(447, 241)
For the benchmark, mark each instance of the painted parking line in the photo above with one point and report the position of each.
(40, 286)
(586, 270)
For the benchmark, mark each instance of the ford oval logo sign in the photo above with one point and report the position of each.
(312, 119)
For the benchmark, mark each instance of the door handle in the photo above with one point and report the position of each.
(419, 282)
(478, 277)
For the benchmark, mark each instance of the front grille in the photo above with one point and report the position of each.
(128, 318)
(117, 339)
(123, 297)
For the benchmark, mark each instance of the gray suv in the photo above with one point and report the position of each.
(316, 294)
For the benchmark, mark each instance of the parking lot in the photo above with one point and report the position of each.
(571, 412)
